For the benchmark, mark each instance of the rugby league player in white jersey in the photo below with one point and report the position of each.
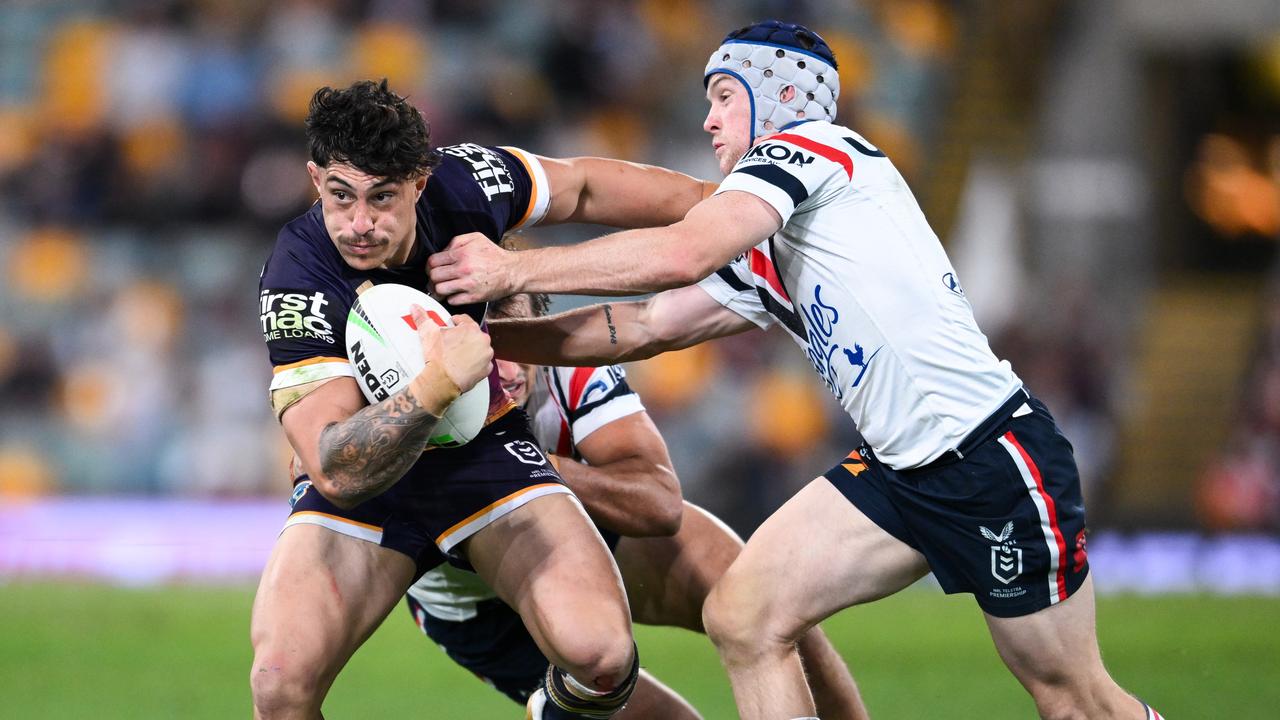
(963, 473)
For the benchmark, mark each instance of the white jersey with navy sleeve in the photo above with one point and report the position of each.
(565, 405)
(859, 279)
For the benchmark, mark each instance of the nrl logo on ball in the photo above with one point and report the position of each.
(1006, 560)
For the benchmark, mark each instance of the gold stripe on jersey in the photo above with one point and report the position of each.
(341, 525)
(346, 520)
(539, 189)
(287, 397)
(295, 381)
(307, 371)
(309, 361)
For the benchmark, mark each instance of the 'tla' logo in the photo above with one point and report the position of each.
(1006, 560)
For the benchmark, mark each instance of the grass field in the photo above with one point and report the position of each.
(87, 651)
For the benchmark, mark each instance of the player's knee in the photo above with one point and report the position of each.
(282, 690)
(1059, 698)
(569, 697)
(1055, 706)
(602, 663)
(734, 620)
(283, 682)
(1097, 700)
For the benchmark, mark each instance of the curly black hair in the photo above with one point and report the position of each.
(520, 306)
(371, 128)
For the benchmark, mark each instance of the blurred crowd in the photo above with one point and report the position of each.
(1240, 490)
(159, 112)
(150, 149)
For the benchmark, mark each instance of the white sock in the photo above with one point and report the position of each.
(581, 688)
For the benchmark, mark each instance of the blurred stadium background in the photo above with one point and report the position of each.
(1104, 173)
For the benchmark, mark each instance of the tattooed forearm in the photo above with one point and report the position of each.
(608, 319)
(368, 452)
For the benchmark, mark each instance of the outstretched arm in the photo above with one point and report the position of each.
(473, 269)
(617, 332)
(618, 193)
(627, 483)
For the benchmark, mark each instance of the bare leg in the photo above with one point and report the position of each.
(816, 555)
(1054, 654)
(321, 596)
(652, 699)
(547, 561)
(668, 580)
(835, 694)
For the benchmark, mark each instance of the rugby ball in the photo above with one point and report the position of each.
(383, 347)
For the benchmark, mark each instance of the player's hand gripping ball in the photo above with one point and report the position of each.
(388, 352)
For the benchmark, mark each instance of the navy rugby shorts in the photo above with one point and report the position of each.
(1004, 522)
(445, 498)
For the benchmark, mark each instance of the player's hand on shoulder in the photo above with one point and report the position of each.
(472, 269)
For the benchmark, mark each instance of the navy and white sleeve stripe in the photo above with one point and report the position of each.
(780, 179)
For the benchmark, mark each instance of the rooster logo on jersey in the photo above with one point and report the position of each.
(1006, 560)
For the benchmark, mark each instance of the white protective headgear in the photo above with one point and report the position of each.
(769, 56)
